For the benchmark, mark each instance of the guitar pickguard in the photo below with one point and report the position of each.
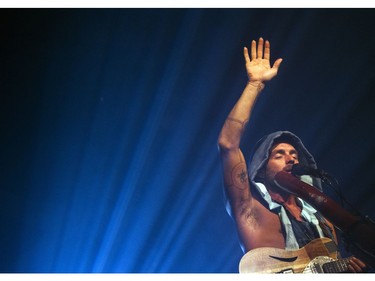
(316, 265)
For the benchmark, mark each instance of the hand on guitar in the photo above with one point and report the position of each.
(356, 265)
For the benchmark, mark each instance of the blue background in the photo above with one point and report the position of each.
(110, 117)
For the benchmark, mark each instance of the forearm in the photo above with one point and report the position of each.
(235, 124)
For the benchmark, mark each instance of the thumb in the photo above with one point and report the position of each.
(277, 64)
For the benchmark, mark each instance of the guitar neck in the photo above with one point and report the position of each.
(337, 266)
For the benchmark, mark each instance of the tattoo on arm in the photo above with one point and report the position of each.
(240, 178)
(242, 123)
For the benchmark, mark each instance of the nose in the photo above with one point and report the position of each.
(290, 160)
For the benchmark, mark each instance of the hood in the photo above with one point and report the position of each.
(261, 153)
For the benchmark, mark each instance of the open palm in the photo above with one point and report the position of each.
(259, 67)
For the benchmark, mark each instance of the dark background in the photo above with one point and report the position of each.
(110, 117)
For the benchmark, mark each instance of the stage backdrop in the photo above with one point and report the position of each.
(110, 118)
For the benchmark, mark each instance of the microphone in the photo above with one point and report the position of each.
(299, 170)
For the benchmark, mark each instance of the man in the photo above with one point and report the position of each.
(266, 216)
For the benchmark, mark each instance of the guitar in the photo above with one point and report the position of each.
(318, 256)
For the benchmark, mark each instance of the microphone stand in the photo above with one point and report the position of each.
(358, 232)
(328, 180)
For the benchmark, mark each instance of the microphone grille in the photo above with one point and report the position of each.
(299, 170)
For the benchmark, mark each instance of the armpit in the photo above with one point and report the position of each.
(249, 216)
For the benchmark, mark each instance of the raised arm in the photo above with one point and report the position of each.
(235, 172)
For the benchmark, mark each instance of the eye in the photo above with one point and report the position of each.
(294, 154)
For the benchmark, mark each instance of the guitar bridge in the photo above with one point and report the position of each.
(286, 271)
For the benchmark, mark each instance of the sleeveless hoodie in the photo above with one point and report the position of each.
(259, 160)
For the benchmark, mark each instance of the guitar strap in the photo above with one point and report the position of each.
(328, 232)
(325, 228)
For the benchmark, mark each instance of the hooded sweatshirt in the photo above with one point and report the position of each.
(259, 160)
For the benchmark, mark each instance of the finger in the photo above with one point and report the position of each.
(267, 50)
(359, 262)
(260, 48)
(277, 64)
(253, 50)
(356, 267)
(350, 268)
(246, 55)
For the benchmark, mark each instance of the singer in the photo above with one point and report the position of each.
(264, 214)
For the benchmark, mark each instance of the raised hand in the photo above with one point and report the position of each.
(258, 67)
